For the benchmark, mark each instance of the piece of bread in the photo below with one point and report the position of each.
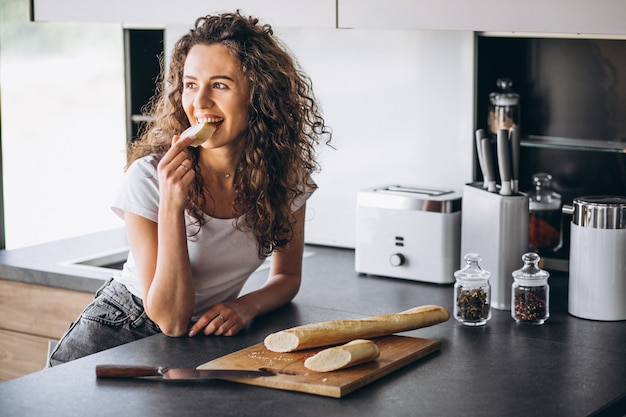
(339, 357)
(202, 132)
(341, 331)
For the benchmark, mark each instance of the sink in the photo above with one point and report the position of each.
(113, 260)
(110, 261)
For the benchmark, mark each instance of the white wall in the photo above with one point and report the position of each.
(400, 103)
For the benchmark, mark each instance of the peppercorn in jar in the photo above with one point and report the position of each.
(530, 292)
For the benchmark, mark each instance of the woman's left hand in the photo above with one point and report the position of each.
(230, 317)
(223, 319)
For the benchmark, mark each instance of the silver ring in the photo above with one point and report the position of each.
(221, 317)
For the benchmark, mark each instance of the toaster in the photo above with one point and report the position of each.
(408, 232)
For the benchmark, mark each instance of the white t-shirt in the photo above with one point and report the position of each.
(222, 257)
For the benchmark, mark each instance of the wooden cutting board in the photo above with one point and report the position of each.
(395, 352)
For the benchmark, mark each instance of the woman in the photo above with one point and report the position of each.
(200, 220)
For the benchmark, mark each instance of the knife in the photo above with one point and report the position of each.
(514, 137)
(490, 177)
(480, 134)
(136, 371)
(504, 161)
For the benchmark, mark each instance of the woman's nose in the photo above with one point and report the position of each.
(203, 99)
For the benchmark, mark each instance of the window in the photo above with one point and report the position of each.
(63, 126)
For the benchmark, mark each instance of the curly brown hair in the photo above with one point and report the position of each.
(284, 126)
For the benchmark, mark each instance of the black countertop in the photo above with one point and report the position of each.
(567, 367)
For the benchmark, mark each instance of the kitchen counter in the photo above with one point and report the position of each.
(567, 367)
(54, 265)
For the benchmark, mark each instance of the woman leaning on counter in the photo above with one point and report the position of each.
(200, 220)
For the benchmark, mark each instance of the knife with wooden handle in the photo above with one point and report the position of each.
(138, 371)
(504, 162)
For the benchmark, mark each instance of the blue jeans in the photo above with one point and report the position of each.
(113, 318)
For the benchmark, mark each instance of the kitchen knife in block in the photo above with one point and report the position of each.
(514, 137)
(480, 135)
(504, 162)
(490, 176)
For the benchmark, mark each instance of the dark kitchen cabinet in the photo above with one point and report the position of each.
(573, 110)
(144, 56)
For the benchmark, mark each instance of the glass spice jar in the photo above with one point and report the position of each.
(530, 292)
(545, 221)
(504, 111)
(472, 293)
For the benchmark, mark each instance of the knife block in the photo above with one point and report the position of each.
(495, 227)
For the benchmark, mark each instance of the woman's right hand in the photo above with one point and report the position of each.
(176, 173)
(160, 248)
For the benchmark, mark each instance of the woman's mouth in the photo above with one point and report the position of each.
(212, 120)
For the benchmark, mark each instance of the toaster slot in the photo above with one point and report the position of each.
(416, 190)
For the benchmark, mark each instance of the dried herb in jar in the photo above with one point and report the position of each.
(472, 304)
(472, 293)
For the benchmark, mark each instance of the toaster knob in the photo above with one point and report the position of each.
(397, 259)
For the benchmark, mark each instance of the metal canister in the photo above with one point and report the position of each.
(597, 271)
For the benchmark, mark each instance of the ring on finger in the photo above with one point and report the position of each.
(184, 166)
(221, 317)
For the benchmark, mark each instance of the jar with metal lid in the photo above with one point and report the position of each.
(597, 262)
(530, 292)
(545, 222)
(504, 110)
(472, 293)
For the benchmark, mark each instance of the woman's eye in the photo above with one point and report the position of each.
(219, 86)
(189, 86)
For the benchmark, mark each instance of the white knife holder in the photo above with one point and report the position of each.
(496, 227)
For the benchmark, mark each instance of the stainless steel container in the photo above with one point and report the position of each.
(597, 271)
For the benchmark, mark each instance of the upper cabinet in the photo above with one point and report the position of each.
(602, 17)
(159, 13)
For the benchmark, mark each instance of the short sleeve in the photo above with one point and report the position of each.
(139, 191)
(309, 188)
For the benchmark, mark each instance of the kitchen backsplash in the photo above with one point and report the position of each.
(400, 105)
